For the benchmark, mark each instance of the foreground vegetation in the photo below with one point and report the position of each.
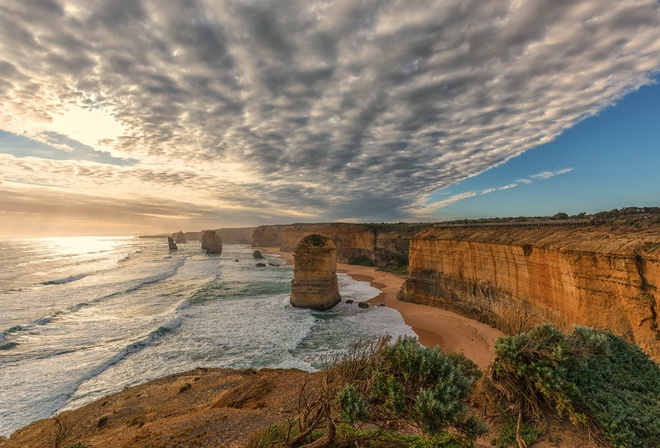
(381, 395)
(595, 379)
(405, 395)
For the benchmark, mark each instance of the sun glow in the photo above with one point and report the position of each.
(95, 127)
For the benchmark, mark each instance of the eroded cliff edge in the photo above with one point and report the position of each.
(365, 244)
(511, 277)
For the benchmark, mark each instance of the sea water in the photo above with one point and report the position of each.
(83, 317)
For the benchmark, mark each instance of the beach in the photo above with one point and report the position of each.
(433, 326)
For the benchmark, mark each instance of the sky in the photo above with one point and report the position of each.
(138, 117)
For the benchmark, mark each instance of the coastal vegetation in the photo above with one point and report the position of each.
(403, 395)
(594, 378)
(383, 395)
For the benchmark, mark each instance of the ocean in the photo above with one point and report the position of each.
(83, 317)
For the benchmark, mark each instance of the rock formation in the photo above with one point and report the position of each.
(521, 277)
(180, 237)
(366, 244)
(239, 235)
(314, 283)
(171, 243)
(211, 242)
(257, 254)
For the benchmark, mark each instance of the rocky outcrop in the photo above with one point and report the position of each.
(171, 243)
(513, 278)
(180, 237)
(211, 242)
(314, 283)
(239, 235)
(268, 236)
(257, 254)
(227, 407)
(366, 244)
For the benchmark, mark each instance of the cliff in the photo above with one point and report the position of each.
(508, 277)
(368, 244)
(239, 235)
(268, 236)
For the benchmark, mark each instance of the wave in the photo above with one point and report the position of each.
(72, 309)
(126, 352)
(65, 280)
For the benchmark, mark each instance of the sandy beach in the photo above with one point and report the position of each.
(433, 326)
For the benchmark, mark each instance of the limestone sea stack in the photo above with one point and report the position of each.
(211, 242)
(180, 237)
(314, 283)
(171, 243)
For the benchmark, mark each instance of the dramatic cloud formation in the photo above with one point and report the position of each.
(257, 111)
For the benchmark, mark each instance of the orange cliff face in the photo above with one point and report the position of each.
(377, 244)
(514, 278)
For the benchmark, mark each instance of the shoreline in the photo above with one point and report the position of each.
(433, 326)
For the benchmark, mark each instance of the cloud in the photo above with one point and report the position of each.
(323, 109)
(455, 198)
(543, 175)
(429, 209)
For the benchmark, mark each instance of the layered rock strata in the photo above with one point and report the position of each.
(314, 283)
(514, 278)
(211, 242)
(366, 244)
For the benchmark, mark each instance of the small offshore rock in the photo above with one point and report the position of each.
(272, 264)
(257, 254)
(260, 265)
(171, 243)
(350, 301)
(363, 305)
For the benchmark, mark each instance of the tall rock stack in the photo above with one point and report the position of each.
(171, 243)
(211, 242)
(180, 237)
(314, 283)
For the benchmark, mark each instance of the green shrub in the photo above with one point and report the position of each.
(621, 388)
(351, 404)
(591, 376)
(423, 384)
(384, 387)
(529, 432)
(360, 260)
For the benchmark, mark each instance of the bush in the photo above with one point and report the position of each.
(378, 388)
(424, 384)
(593, 377)
(621, 388)
(360, 260)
